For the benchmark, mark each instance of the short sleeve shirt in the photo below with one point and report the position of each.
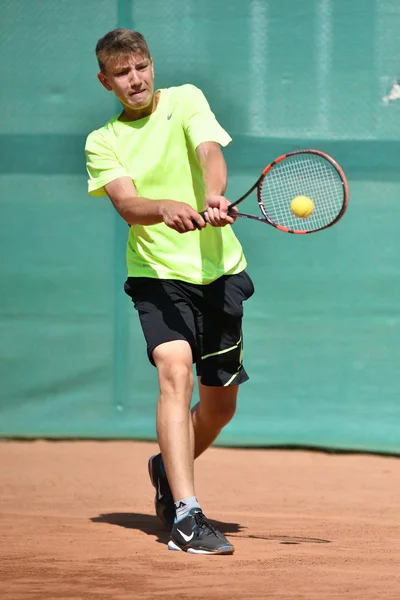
(158, 153)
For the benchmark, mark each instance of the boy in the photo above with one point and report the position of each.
(160, 162)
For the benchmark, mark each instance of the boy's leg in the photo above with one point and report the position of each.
(220, 365)
(216, 407)
(174, 424)
(214, 410)
(191, 531)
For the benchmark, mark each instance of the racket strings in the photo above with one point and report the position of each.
(307, 175)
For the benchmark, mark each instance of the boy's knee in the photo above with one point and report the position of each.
(174, 362)
(226, 413)
(220, 413)
(176, 373)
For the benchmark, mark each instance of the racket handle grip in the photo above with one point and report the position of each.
(202, 213)
(231, 210)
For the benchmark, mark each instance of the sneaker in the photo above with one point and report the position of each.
(163, 502)
(195, 535)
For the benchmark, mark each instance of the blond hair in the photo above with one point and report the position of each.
(119, 43)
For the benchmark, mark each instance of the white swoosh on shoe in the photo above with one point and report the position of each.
(187, 538)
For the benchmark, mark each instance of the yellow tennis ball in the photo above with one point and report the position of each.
(302, 206)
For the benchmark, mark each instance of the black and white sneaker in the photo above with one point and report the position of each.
(195, 535)
(163, 502)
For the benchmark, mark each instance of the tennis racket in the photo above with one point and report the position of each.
(310, 178)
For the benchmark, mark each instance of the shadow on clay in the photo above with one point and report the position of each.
(150, 525)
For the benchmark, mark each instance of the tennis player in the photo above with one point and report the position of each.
(160, 162)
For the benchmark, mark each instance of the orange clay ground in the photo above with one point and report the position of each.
(77, 522)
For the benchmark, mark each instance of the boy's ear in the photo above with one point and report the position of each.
(104, 82)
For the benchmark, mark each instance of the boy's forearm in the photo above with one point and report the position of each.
(132, 208)
(136, 210)
(141, 211)
(215, 174)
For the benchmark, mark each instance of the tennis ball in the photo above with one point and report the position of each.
(302, 206)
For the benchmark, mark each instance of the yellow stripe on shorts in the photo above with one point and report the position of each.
(222, 351)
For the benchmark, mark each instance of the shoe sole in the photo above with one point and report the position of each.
(222, 550)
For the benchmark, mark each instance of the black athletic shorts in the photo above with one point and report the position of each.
(208, 317)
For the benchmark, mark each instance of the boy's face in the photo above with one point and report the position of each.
(131, 78)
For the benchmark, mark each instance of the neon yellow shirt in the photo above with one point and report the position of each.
(159, 153)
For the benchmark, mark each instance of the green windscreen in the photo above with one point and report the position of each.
(321, 333)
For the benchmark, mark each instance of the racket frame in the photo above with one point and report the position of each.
(259, 183)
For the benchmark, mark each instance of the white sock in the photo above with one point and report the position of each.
(183, 506)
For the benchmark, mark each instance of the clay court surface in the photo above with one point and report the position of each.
(77, 522)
